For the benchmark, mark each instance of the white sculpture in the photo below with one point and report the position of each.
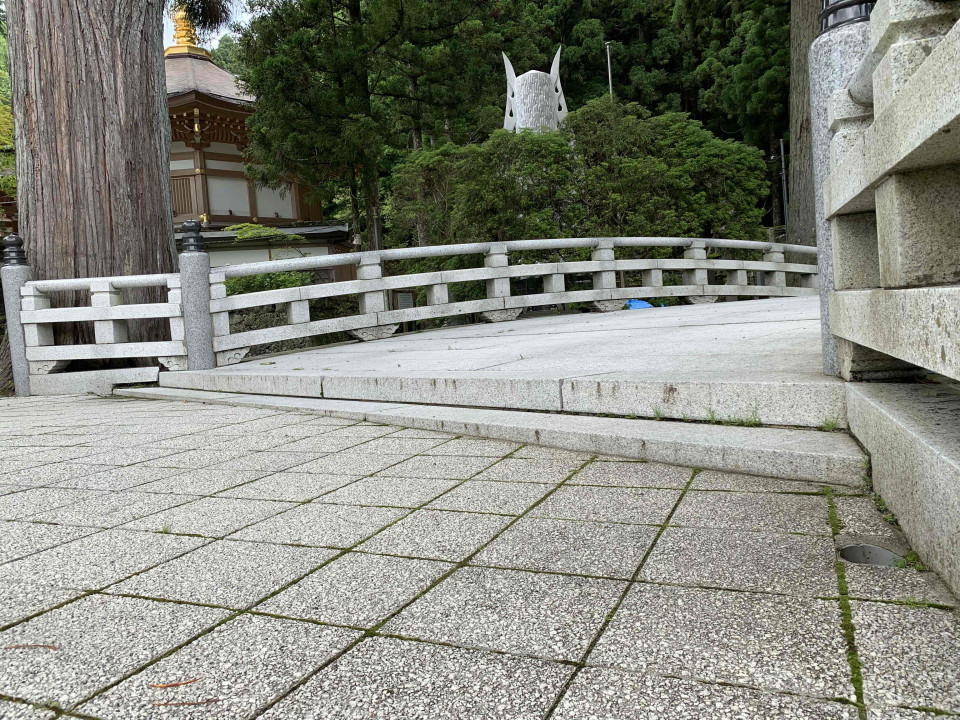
(534, 100)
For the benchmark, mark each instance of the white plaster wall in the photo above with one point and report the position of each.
(227, 194)
(224, 165)
(270, 203)
(179, 146)
(219, 258)
(181, 164)
(227, 148)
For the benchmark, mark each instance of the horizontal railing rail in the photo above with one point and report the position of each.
(438, 251)
(609, 284)
(202, 317)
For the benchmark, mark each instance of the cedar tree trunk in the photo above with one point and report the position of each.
(92, 140)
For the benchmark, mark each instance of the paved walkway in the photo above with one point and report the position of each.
(165, 560)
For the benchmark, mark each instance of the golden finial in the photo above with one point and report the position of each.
(185, 40)
(183, 31)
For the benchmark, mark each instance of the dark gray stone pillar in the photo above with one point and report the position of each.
(833, 58)
(15, 274)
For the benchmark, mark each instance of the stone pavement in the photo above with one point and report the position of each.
(173, 560)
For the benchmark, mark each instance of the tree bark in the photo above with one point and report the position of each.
(92, 140)
(801, 221)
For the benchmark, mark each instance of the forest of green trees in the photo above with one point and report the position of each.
(391, 110)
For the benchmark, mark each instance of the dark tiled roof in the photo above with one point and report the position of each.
(192, 73)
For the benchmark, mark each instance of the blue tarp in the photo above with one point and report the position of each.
(637, 304)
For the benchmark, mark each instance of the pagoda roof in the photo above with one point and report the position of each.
(195, 73)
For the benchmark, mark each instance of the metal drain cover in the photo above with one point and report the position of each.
(869, 555)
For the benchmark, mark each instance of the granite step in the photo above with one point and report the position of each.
(789, 453)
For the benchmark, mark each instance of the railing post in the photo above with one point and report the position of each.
(195, 297)
(15, 274)
(106, 332)
(497, 257)
(373, 302)
(604, 279)
(697, 250)
(438, 294)
(775, 278)
(371, 268)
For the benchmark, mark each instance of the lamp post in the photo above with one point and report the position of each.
(609, 70)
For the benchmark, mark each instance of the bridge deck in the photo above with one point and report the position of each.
(743, 360)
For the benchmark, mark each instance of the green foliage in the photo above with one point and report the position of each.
(612, 170)
(361, 100)
(254, 231)
(748, 79)
(227, 54)
(267, 281)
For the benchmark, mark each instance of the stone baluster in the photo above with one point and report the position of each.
(298, 312)
(774, 278)
(555, 283)
(497, 257)
(438, 294)
(652, 277)
(696, 250)
(107, 332)
(605, 279)
(372, 302)
(15, 274)
(371, 268)
(699, 277)
(39, 334)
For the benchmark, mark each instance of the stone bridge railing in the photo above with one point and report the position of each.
(893, 196)
(198, 308)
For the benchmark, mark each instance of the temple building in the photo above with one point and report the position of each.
(208, 113)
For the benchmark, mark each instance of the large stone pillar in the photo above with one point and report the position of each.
(833, 58)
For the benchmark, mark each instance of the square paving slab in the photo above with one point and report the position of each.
(765, 641)
(322, 524)
(437, 534)
(550, 616)
(608, 694)
(633, 474)
(210, 517)
(795, 564)
(290, 486)
(233, 672)
(69, 653)
(417, 680)
(357, 589)
(909, 655)
(754, 511)
(396, 492)
(611, 504)
(492, 497)
(570, 546)
(226, 573)
(99, 559)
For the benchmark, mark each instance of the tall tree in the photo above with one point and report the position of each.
(337, 80)
(93, 134)
(227, 54)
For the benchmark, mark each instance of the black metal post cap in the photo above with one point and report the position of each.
(192, 239)
(13, 252)
(836, 13)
